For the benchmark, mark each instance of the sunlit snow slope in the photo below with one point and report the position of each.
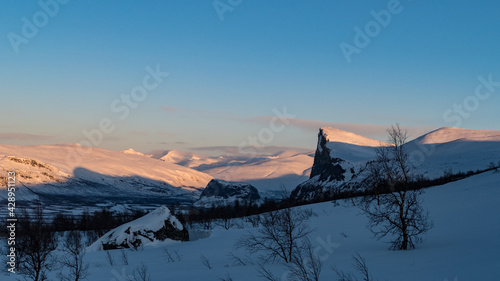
(69, 169)
(268, 173)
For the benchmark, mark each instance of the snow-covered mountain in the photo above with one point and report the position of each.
(53, 172)
(132, 151)
(188, 159)
(268, 173)
(75, 172)
(455, 150)
(449, 134)
(341, 157)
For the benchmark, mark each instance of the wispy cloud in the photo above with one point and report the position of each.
(170, 108)
(375, 131)
(260, 150)
(138, 133)
(368, 130)
(24, 137)
(165, 134)
(201, 113)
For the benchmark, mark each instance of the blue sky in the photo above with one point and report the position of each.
(229, 72)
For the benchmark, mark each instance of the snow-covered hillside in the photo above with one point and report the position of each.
(132, 151)
(340, 136)
(341, 157)
(449, 134)
(455, 150)
(462, 245)
(53, 170)
(268, 173)
(187, 159)
(348, 146)
(339, 162)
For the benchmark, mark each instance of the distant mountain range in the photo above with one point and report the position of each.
(45, 173)
(268, 173)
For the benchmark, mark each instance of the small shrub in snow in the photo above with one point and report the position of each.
(205, 262)
(237, 260)
(279, 236)
(124, 256)
(141, 273)
(305, 265)
(73, 252)
(172, 256)
(359, 264)
(110, 258)
(227, 278)
(266, 274)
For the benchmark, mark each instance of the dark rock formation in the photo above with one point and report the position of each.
(326, 172)
(158, 225)
(135, 240)
(324, 165)
(225, 189)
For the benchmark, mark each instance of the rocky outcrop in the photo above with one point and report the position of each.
(324, 165)
(223, 192)
(158, 225)
(331, 174)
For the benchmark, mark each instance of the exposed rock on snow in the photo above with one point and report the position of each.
(220, 191)
(159, 225)
(341, 157)
(324, 165)
(339, 162)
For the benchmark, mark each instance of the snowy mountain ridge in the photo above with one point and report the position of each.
(46, 170)
(449, 134)
(337, 135)
(340, 160)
